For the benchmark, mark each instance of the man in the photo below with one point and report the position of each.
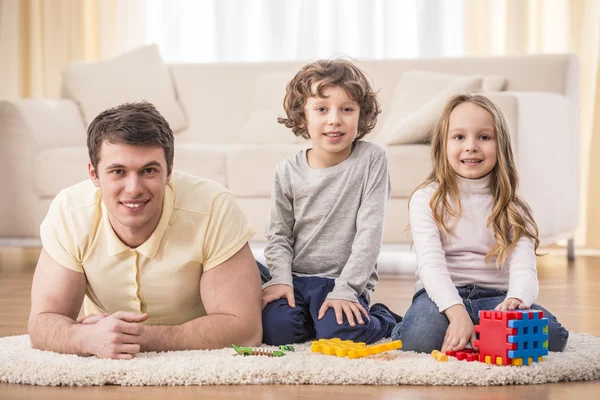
(160, 256)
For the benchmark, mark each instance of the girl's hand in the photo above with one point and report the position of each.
(511, 304)
(460, 332)
(342, 307)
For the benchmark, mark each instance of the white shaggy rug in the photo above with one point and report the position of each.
(19, 363)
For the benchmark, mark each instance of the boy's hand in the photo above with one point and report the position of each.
(342, 307)
(511, 304)
(277, 292)
(460, 331)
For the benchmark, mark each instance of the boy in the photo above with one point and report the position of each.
(328, 206)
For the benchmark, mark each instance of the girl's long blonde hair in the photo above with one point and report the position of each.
(511, 216)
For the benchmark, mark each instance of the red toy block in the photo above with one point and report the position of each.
(466, 354)
(493, 333)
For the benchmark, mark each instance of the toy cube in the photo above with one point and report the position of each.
(512, 337)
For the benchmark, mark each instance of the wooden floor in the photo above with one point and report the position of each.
(570, 291)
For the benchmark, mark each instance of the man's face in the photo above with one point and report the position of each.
(132, 180)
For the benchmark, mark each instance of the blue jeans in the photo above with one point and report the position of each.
(285, 325)
(424, 326)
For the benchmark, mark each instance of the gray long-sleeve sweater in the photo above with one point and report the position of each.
(329, 222)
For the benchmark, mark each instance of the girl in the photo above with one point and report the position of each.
(475, 238)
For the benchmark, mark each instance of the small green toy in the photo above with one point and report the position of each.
(287, 347)
(252, 351)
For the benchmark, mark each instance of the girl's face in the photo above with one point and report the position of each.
(471, 146)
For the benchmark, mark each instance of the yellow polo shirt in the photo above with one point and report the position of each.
(200, 227)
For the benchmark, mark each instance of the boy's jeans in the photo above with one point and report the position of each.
(424, 326)
(285, 325)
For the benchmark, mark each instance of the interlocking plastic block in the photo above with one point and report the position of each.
(531, 337)
(466, 354)
(438, 355)
(350, 349)
(256, 351)
(512, 337)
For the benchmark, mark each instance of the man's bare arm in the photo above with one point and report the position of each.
(231, 293)
(56, 297)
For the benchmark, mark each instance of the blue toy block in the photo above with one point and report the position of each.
(531, 337)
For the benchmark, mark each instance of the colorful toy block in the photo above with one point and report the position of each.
(287, 347)
(466, 354)
(512, 337)
(438, 355)
(350, 349)
(255, 351)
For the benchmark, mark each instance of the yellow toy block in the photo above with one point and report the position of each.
(519, 361)
(343, 348)
(438, 355)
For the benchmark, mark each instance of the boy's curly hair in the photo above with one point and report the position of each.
(329, 73)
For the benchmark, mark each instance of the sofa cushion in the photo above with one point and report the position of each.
(417, 104)
(262, 127)
(493, 83)
(256, 210)
(134, 76)
(251, 168)
(409, 165)
(396, 221)
(204, 160)
(58, 168)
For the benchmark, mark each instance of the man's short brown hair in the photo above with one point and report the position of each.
(136, 124)
(329, 73)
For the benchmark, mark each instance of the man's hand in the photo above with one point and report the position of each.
(341, 307)
(460, 331)
(277, 292)
(511, 304)
(115, 336)
(91, 318)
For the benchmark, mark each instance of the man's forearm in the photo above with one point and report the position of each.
(55, 332)
(204, 333)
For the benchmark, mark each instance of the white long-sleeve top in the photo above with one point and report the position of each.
(445, 263)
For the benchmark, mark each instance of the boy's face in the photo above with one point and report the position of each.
(132, 180)
(332, 124)
(471, 146)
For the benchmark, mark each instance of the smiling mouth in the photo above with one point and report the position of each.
(134, 205)
(473, 161)
(333, 134)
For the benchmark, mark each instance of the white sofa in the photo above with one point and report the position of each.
(42, 141)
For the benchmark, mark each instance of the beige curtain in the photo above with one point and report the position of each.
(503, 27)
(38, 38)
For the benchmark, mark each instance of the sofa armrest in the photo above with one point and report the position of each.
(26, 127)
(545, 136)
(50, 123)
